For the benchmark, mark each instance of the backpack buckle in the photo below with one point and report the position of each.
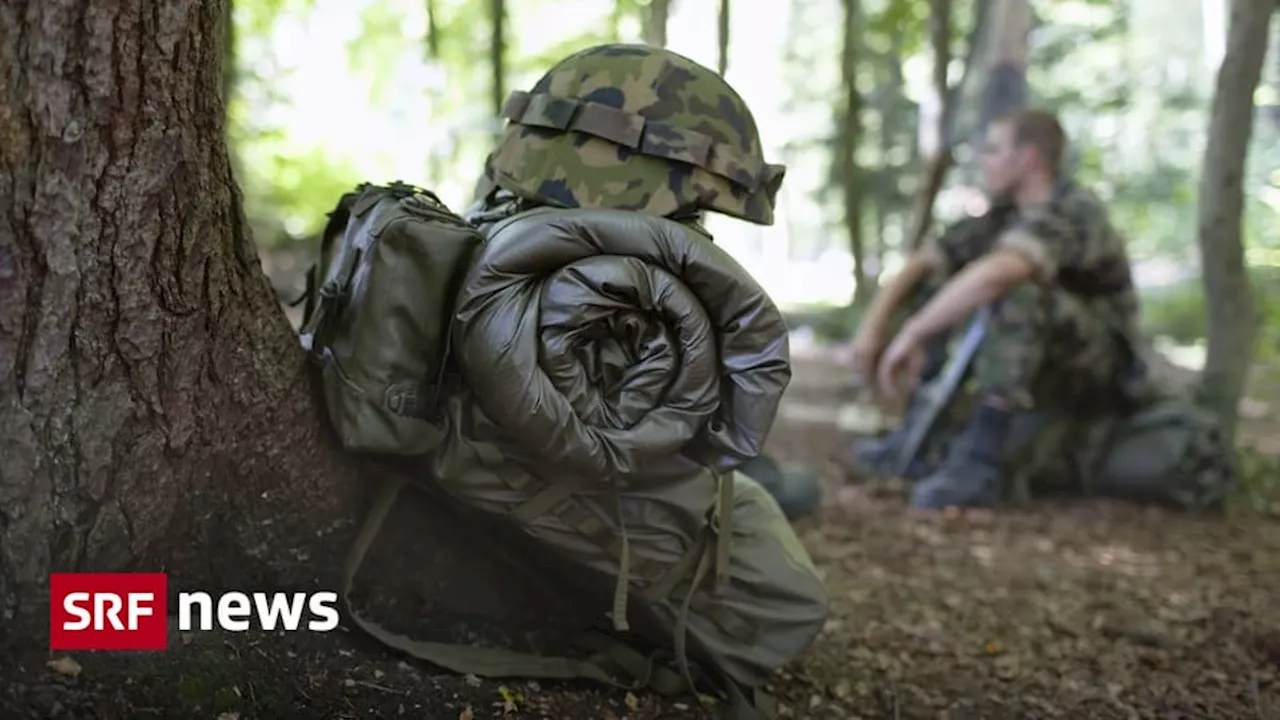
(410, 401)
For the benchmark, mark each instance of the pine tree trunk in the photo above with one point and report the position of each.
(1229, 301)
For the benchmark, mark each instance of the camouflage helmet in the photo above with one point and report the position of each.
(635, 127)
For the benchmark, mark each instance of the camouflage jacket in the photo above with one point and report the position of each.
(1071, 241)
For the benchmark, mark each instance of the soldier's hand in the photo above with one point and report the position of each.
(865, 351)
(901, 366)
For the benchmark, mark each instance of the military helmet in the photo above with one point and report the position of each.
(635, 127)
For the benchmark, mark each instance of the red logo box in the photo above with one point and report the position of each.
(108, 611)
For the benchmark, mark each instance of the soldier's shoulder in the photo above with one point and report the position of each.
(1082, 201)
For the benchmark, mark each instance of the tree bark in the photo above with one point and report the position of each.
(155, 412)
(722, 37)
(850, 133)
(153, 396)
(656, 17)
(229, 55)
(1229, 300)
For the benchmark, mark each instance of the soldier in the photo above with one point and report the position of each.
(665, 175)
(1055, 273)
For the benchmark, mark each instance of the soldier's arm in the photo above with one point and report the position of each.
(895, 292)
(1030, 251)
(981, 282)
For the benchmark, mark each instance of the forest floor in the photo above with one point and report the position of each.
(1087, 610)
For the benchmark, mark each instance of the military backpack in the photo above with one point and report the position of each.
(377, 316)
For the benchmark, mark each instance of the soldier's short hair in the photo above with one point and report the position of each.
(1041, 130)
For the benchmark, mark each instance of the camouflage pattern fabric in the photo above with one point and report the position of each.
(1073, 244)
(1056, 348)
(634, 127)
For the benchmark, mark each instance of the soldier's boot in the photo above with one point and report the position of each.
(877, 455)
(971, 475)
(796, 488)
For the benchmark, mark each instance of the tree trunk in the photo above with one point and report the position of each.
(154, 399)
(435, 93)
(1006, 88)
(498, 54)
(155, 412)
(655, 22)
(1229, 301)
(934, 143)
(850, 133)
(722, 38)
(433, 31)
(939, 141)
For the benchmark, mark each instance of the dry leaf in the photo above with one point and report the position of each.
(466, 714)
(229, 716)
(633, 702)
(65, 666)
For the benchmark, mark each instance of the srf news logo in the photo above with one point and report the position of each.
(129, 611)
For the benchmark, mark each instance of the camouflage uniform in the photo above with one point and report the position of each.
(1060, 341)
(645, 130)
(1054, 346)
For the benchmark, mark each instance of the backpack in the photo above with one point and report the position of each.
(1169, 451)
(377, 316)
(380, 303)
(1166, 451)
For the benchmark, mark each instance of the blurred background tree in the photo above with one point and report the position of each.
(874, 105)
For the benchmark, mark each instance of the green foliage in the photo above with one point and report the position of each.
(257, 17)
(830, 323)
(288, 194)
(375, 48)
(1177, 311)
(1259, 491)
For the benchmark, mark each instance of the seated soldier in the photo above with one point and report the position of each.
(1056, 276)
